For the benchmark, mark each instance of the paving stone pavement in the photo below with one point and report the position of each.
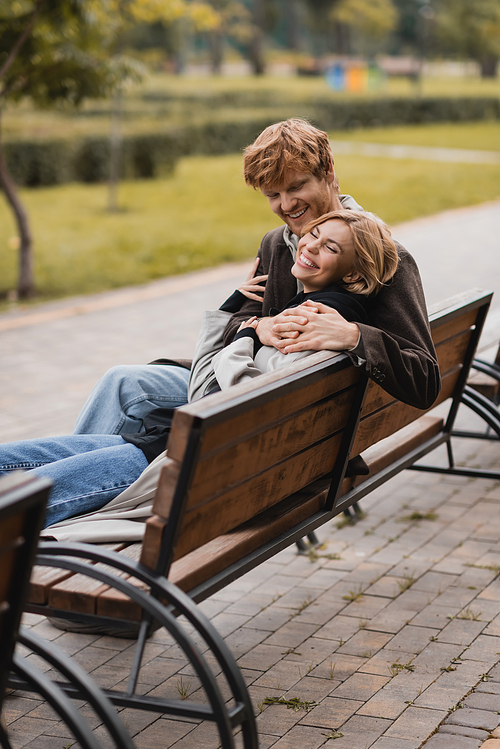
(390, 632)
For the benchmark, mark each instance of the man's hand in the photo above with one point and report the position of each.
(318, 328)
(251, 284)
(268, 336)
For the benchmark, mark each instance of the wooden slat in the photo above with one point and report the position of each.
(451, 328)
(387, 451)
(230, 509)
(231, 468)
(448, 384)
(379, 425)
(252, 415)
(11, 538)
(78, 593)
(215, 556)
(452, 353)
(9, 557)
(152, 540)
(112, 603)
(42, 580)
(449, 356)
(220, 471)
(484, 384)
(457, 305)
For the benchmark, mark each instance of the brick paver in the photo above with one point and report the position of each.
(390, 635)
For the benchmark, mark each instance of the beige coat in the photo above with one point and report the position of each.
(122, 519)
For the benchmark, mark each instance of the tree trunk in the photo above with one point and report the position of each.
(256, 54)
(115, 146)
(256, 48)
(293, 26)
(216, 47)
(489, 66)
(26, 283)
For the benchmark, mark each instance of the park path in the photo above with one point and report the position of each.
(391, 632)
(422, 153)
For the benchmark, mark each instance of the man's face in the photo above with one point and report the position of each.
(302, 197)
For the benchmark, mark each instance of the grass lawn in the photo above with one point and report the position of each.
(205, 215)
(477, 136)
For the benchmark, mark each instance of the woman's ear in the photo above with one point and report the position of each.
(352, 277)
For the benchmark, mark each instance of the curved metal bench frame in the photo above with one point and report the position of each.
(174, 603)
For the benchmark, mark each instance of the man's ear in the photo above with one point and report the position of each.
(330, 173)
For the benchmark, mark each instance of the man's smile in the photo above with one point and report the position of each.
(298, 214)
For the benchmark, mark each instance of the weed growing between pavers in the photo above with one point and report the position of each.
(333, 735)
(415, 516)
(183, 688)
(354, 595)
(469, 614)
(397, 667)
(294, 703)
(406, 582)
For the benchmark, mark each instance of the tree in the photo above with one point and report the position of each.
(370, 20)
(232, 22)
(471, 28)
(60, 51)
(50, 50)
(262, 20)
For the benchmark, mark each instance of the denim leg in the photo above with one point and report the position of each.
(87, 471)
(125, 395)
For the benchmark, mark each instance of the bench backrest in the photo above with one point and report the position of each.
(456, 325)
(23, 498)
(235, 454)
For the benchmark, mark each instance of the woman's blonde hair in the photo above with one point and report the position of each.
(290, 146)
(376, 256)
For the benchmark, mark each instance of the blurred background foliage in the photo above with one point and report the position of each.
(96, 91)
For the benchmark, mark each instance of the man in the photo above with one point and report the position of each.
(292, 164)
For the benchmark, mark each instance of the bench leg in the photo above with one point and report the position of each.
(4, 739)
(304, 546)
(353, 513)
(486, 409)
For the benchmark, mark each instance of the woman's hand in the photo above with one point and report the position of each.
(314, 327)
(252, 322)
(251, 284)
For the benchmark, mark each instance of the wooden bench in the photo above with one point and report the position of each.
(250, 471)
(23, 499)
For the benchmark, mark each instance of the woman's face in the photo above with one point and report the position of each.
(325, 255)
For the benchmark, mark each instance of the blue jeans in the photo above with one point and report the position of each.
(88, 471)
(127, 393)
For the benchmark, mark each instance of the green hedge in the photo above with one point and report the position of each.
(404, 111)
(34, 163)
(87, 160)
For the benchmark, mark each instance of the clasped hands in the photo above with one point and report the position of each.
(312, 326)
